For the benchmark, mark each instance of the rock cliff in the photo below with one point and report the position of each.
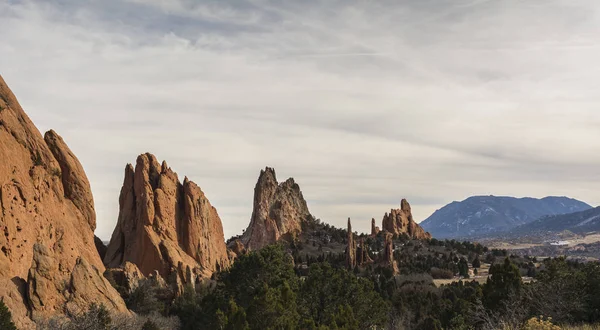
(165, 225)
(400, 221)
(49, 264)
(279, 209)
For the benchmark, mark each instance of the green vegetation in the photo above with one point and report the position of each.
(6, 322)
(262, 291)
(298, 286)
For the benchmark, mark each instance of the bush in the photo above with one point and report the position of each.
(148, 298)
(98, 318)
(540, 324)
(438, 273)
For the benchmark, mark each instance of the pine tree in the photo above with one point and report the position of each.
(6, 322)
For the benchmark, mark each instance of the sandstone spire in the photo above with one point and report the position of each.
(164, 225)
(48, 261)
(374, 229)
(400, 221)
(279, 209)
(351, 248)
(388, 255)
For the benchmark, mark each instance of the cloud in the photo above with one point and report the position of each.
(363, 102)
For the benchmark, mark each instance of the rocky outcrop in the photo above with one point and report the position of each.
(357, 253)
(237, 247)
(165, 225)
(374, 229)
(400, 221)
(47, 220)
(128, 276)
(279, 210)
(350, 248)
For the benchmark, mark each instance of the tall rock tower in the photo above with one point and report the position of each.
(351, 248)
(279, 209)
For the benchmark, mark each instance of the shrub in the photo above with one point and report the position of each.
(146, 298)
(540, 324)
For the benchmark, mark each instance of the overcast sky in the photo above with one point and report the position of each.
(362, 102)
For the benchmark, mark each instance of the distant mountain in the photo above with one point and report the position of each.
(484, 215)
(578, 223)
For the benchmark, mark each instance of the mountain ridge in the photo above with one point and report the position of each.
(484, 215)
(582, 222)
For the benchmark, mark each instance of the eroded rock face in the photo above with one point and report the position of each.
(75, 182)
(47, 219)
(400, 221)
(164, 225)
(279, 209)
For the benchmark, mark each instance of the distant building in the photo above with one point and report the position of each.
(559, 243)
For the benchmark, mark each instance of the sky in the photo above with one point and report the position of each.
(362, 102)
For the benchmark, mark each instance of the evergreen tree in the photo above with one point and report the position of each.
(476, 262)
(6, 322)
(505, 280)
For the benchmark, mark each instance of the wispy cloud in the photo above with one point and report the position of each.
(363, 102)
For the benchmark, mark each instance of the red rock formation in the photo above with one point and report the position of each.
(400, 221)
(388, 255)
(165, 225)
(48, 261)
(279, 209)
(374, 229)
(351, 248)
(362, 251)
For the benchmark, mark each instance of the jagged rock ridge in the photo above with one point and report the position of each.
(166, 226)
(48, 261)
(279, 209)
